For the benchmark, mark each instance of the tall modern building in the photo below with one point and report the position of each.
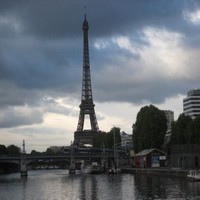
(191, 103)
(82, 136)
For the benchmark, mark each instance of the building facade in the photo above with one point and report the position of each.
(191, 103)
(150, 158)
(185, 156)
(126, 141)
(170, 118)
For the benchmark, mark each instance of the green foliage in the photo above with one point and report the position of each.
(185, 131)
(13, 150)
(106, 140)
(3, 149)
(150, 128)
(194, 130)
(35, 153)
(49, 151)
(99, 141)
(113, 137)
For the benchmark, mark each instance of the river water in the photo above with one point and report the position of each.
(57, 185)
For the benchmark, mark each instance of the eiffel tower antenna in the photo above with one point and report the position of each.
(82, 136)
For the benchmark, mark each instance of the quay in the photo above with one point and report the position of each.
(157, 171)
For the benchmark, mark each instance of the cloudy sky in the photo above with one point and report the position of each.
(141, 52)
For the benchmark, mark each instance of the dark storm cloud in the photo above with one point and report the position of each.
(41, 49)
(19, 114)
(45, 18)
(11, 95)
(56, 19)
(39, 64)
(12, 117)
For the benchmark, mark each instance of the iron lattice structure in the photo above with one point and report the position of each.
(87, 105)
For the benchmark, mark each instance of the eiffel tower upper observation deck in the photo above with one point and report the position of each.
(82, 136)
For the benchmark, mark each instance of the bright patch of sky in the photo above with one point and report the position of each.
(193, 17)
(164, 53)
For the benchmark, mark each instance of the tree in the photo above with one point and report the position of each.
(13, 150)
(106, 140)
(149, 129)
(113, 138)
(185, 130)
(194, 136)
(3, 149)
(180, 130)
(99, 140)
(35, 153)
(49, 151)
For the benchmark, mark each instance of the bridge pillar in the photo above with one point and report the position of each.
(72, 161)
(72, 166)
(104, 164)
(23, 162)
(104, 161)
(23, 166)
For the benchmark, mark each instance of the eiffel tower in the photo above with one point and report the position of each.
(82, 136)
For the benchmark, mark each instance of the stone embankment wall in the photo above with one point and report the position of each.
(157, 171)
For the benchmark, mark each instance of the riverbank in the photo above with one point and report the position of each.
(157, 171)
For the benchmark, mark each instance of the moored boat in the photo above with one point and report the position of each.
(73, 171)
(114, 171)
(86, 169)
(194, 175)
(92, 168)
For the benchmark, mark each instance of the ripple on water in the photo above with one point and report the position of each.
(57, 185)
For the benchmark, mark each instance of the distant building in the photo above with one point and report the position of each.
(170, 118)
(191, 103)
(57, 149)
(126, 141)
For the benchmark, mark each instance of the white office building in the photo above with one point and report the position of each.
(191, 103)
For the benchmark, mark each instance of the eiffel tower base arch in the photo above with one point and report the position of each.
(82, 138)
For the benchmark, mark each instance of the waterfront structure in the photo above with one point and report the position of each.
(70, 157)
(185, 156)
(23, 161)
(150, 158)
(191, 103)
(82, 136)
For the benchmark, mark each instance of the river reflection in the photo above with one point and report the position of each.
(157, 187)
(56, 185)
(88, 188)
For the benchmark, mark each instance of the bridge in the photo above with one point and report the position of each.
(70, 155)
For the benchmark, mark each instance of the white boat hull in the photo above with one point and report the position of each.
(194, 175)
(86, 169)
